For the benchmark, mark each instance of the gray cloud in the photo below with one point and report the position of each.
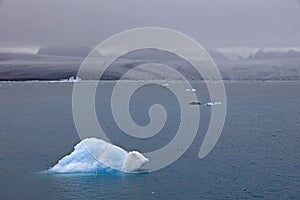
(212, 23)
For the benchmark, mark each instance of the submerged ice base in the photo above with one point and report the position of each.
(96, 155)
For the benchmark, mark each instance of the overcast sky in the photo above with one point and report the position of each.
(213, 23)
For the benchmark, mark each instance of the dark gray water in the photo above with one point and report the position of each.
(257, 155)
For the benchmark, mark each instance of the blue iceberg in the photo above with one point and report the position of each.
(96, 155)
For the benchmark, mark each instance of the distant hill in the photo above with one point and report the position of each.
(65, 51)
(262, 54)
(56, 63)
(11, 56)
(216, 54)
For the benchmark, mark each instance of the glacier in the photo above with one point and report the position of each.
(94, 155)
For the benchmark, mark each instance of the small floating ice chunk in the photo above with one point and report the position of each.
(74, 79)
(213, 103)
(191, 90)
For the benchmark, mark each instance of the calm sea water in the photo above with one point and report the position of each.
(257, 155)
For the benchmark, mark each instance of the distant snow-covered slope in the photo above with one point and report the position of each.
(233, 63)
(242, 53)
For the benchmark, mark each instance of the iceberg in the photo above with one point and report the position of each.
(96, 156)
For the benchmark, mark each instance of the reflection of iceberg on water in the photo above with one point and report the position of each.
(95, 155)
